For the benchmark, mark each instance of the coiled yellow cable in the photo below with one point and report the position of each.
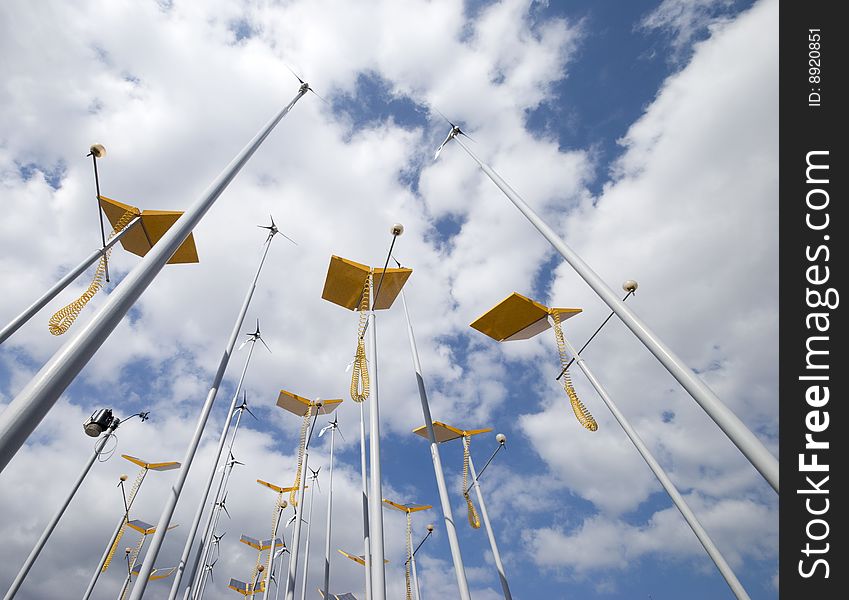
(133, 491)
(359, 377)
(293, 495)
(409, 555)
(63, 318)
(582, 413)
(474, 519)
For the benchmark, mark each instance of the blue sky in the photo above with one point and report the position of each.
(645, 133)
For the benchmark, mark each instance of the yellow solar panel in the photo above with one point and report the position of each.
(446, 433)
(299, 405)
(154, 224)
(407, 508)
(361, 560)
(346, 279)
(277, 488)
(161, 466)
(518, 318)
(162, 573)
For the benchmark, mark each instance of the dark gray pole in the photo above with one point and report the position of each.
(30, 406)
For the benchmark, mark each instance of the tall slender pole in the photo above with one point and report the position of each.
(31, 405)
(492, 544)
(281, 504)
(60, 285)
(329, 517)
(222, 439)
(296, 535)
(366, 526)
(444, 499)
(748, 443)
(121, 522)
(415, 577)
(279, 572)
(664, 479)
(378, 570)
(39, 545)
(220, 493)
(177, 488)
(100, 214)
(307, 547)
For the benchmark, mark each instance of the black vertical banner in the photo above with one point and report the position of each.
(814, 221)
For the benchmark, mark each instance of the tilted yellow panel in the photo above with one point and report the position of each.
(141, 526)
(344, 282)
(357, 559)
(162, 573)
(446, 433)
(407, 508)
(510, 316)
(393, 281)
(135, 460)
(299, 405)
(134, 241)
(157, 222)
(277, 488)
(163, 466)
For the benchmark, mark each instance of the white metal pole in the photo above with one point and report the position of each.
(222, 439)
(200, 580)
(39, 545)
(329, 517)
(177, 488)
(124, 519)
(30, 406)
(445, 500)
(296, 535)
(307, 547)
(366, 527)
(492, 544)
(748, 443)
(378, 571)
(415, 577)
(60, 285)
(664, 479)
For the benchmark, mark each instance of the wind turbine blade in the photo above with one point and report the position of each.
(242, 345)
(339, 431)
(319, 97)
(324, 429)
(264, 344)
(293, 73)
(250, 412)
(286, 236)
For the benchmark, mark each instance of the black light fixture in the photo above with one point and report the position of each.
(103, 419)
(98, 422)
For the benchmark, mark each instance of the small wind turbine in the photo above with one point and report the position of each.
(314, 479)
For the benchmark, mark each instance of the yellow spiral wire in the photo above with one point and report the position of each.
(293, 495)
(582, 413)
(474, 519)
(409, 555)
(274, 519)
(63, 318)
(359, 377)
(133, 491)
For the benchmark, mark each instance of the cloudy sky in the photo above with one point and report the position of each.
(645, 133)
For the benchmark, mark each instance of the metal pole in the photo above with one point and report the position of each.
(279, 572)
(174, 496)
(270, 567)
(60, 285)
(495, 554)
(100, 214)
(366, 527)
(445, 501)
(307, 547)
(329, 518)
(296, 535)
(734, 428)
(378, 571)
(217, 507)
(415, 577)
(222, 439)
(30, 406)
(124, 518)
(39, 545)
(665, 481)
